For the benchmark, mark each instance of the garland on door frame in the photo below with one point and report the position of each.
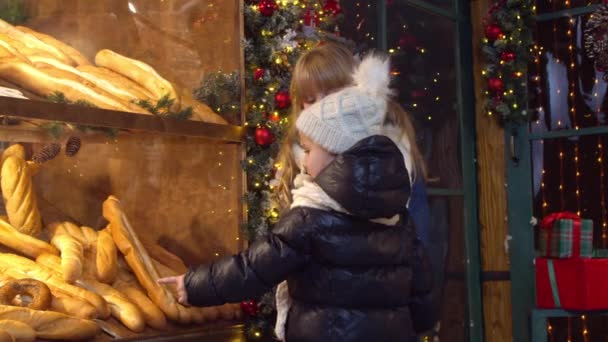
(507, 49)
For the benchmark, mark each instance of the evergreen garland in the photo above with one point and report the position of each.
(273, 42)
(507, 49)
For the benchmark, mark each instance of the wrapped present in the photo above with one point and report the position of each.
(566, 235)
(572, 284)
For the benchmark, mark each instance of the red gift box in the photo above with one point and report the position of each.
(572, 284)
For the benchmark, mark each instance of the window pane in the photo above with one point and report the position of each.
(565, 87)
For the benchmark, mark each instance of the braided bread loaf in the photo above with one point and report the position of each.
(18, 195)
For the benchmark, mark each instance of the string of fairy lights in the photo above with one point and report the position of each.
(572, 71)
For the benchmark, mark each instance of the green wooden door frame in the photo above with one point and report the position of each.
(520, 199)
(460, 16)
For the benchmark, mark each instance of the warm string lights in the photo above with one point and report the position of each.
(572, 102)
(600, 160)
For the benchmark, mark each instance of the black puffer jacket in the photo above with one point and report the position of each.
(350, 279)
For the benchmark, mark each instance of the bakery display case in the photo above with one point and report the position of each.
(113, 173)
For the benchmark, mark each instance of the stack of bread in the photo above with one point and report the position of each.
(43, 65)
(60, 281)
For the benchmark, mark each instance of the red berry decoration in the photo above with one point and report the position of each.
(249, 307)
(495, 84)
(282, 100)
(493, 32)
(263, 136)
(267, 7)
(258, 74)
(507, 56)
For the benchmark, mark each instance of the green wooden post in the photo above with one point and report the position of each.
(521, 246)
(466, 106)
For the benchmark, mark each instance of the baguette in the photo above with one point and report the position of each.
(137, 258)
(51, 325)
(19, 197)
(117, 80)
(75, 55)
(6, 337)
(13, 150)
(139, 72)
(22, 332)
(23, 243)
(19, 267)
(200, 111)
(45, 80)
(71, 256)
(153, 316)
(32, 42)
(125, 311)
(96, 84)
(66, 228)
(90, 235)
(106, 263)
(163, 256)
(73, 306)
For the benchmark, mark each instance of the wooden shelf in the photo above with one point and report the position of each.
(96, 117)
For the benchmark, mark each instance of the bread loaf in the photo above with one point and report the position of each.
(13, 150)
(200, 111)
(153, 316)
(123, 309)
(32, 42)
(22, 332)
(45, 80)
(19, 197)
(163, 256)
(71, 256)
(139, 72)
(97, 84)
(118, 80)
(22, 243)
(73, 306)
(6, 337)
(137, 258)
(75, 55)
(66, 228)
(20, 268)
(51, 325)
(106, 264)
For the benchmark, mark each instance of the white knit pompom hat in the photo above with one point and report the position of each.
(339, 120)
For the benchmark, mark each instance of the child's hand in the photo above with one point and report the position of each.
(178, 281)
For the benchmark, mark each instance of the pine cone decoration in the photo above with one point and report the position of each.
(72, 146)
(47, 153)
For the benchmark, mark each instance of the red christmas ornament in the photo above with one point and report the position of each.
(493, 32)
(267, 7)
(495, 84)
(263, 136)
(507, 56)
(282, 100)
(258, 74)
(333, 7)
(249, 307)
(408, 40)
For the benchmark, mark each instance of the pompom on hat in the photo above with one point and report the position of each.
(340, 119)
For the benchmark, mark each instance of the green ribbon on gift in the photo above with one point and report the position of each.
(553, 282)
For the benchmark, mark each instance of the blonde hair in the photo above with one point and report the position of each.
(324, 70)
